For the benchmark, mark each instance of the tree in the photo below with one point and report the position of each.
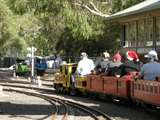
(10, 41)
(118, 5)
(55, 17)
(62, 26)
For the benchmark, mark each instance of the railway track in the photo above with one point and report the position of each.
(119, 110)
(53, 101)
(130, 113)
(34, 91)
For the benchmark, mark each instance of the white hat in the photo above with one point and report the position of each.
(83, 54)
(152, 54)
(106, 54)
(63, 63)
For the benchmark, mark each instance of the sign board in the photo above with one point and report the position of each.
(31, 48)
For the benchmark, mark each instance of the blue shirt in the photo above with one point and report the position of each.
(150, 70)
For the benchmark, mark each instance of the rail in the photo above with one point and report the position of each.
(95, 114)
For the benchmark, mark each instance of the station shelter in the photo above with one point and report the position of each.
(140, 26)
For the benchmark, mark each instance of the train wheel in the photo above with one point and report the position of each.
(93, 95)
(108, 98)
(73, 91)
(65, 91)
(61, 89)
(102, 97)
(56, 87)
(85, 94)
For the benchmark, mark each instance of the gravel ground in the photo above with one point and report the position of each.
(116, 110)
(5, 74)
(15, 106)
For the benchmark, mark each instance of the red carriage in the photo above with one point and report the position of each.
(143, 91)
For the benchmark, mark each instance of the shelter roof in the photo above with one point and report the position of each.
(146, 6)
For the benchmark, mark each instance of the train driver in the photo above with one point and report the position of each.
(151, 70)
(85, 65)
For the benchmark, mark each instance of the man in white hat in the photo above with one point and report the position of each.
(151, 70)
(85, 65)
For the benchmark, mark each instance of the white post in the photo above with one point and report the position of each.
(39, 81)
(31, 55)
(29, 79)
(1, 90)
(14, 73)
(32, 70)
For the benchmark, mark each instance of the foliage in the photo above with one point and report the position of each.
(118, 5)
(58, 26)
(9, 31)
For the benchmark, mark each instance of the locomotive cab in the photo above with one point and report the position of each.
(67, 80)
(63, 79)
(21, 67)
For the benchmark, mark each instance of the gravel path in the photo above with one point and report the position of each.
(115, 110)
(5, 74)
(15, 106)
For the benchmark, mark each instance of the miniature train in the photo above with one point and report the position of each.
(126, 87)
(40, 66)
(23, 66)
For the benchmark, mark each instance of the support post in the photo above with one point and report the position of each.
(39, 81)
(32, 70)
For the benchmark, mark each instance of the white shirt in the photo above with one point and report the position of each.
(85, 66)
(50, 63)
(150, 70)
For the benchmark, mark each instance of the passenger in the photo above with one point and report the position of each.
(57, 62)
(116, 60)
(85, 65)
(102, 64)
(132, 64)
(151, 70)
(114, 66)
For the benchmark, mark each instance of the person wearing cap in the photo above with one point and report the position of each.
(151, 70)
(85, 65)
(132, 64)
(102, 63)
(115, 64)
(116, 60)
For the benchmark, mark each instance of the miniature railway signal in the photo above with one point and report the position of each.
(31, 55)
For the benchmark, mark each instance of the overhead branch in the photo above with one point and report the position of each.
(105, 3)
(95, 8)
(95, 11)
